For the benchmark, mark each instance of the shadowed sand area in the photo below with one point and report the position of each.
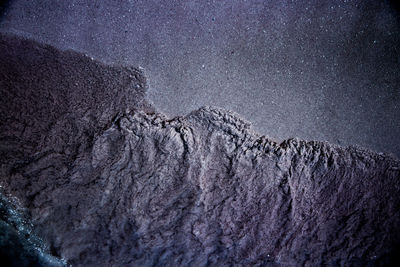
(105, 179)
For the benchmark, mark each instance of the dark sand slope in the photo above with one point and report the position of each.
(109, 181)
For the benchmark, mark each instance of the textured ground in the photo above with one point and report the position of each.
(325, 70)
(107, 180)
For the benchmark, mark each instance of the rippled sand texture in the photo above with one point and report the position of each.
(108, 180)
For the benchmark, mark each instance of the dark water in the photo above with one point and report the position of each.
(19, 246)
